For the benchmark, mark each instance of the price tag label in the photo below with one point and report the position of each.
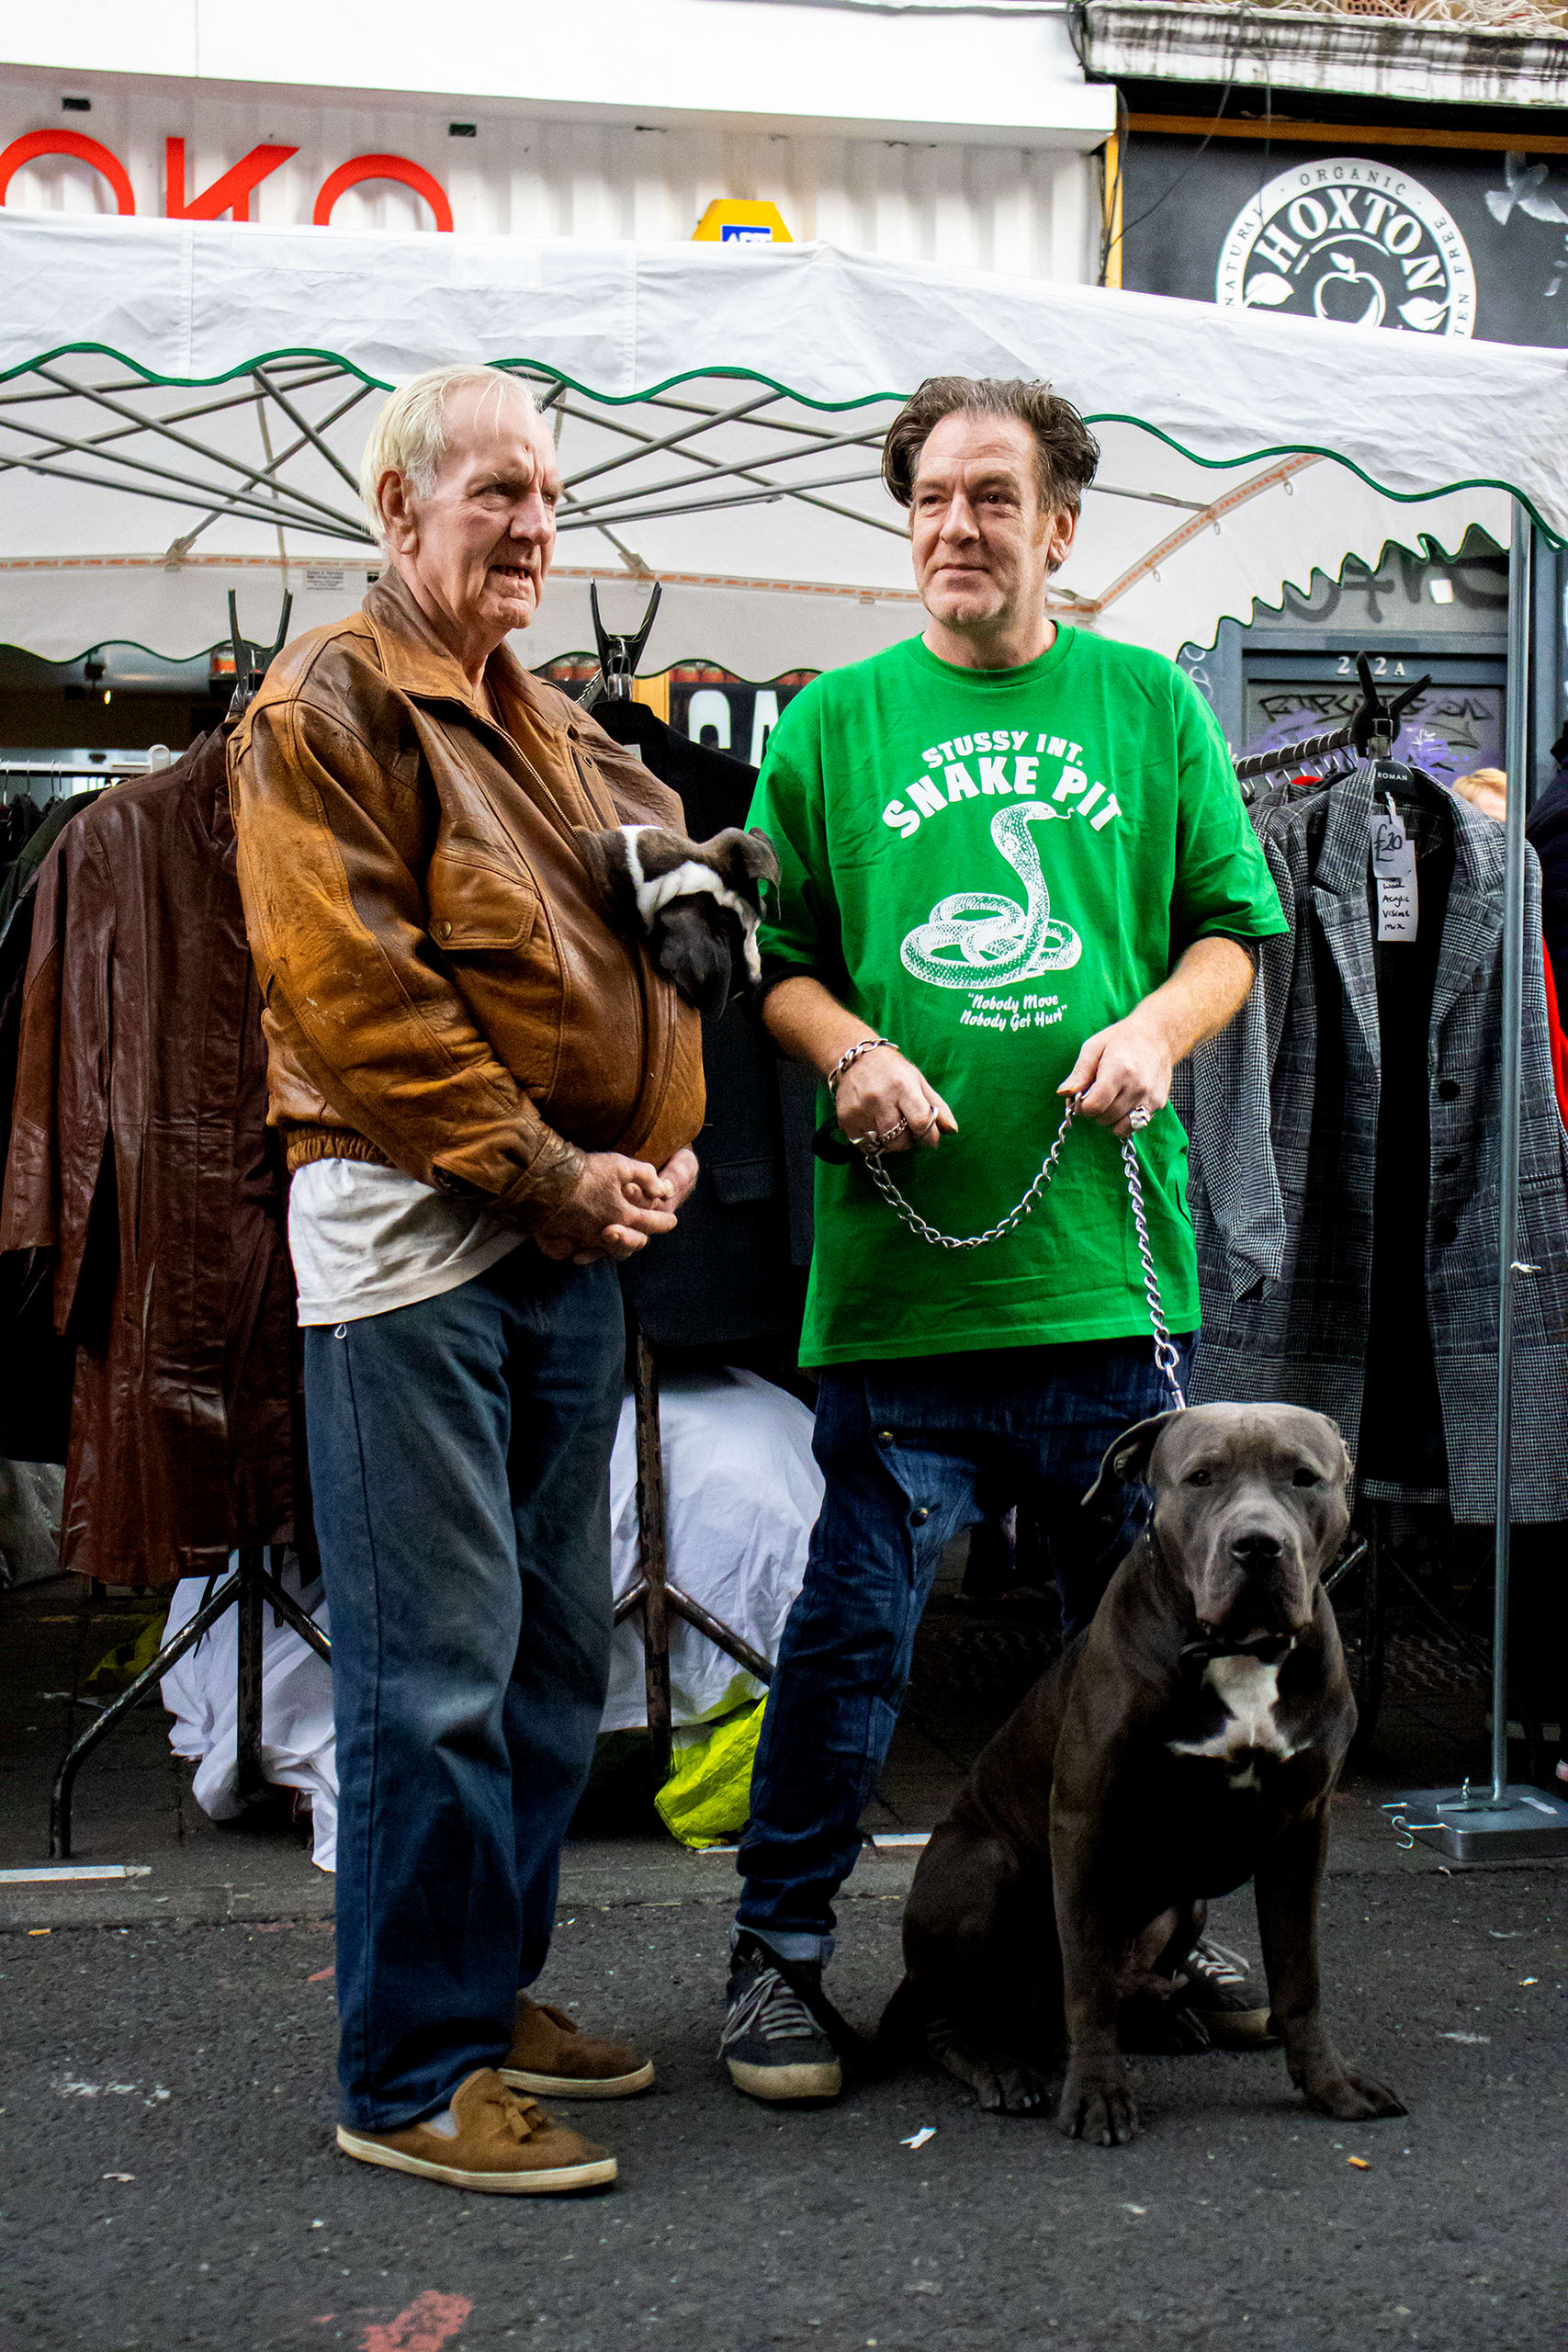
(1394, 871)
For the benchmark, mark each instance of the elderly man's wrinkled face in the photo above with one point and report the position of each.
(478, 547)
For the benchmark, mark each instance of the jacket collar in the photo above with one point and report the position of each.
(416, 662)
(1471, 920)
(1341, 865)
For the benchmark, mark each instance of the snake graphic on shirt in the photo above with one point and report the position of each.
(980, 935)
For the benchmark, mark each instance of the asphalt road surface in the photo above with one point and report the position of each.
(168, 2178)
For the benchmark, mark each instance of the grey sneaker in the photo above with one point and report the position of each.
(774, 2042)
(1218, 1989)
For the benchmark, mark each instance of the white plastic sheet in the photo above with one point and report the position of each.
(742, 1492)
(742, 1495)
(196, 300)
(298, 1747)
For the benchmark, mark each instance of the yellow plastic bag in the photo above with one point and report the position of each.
(707, 1797)
(119, 1668)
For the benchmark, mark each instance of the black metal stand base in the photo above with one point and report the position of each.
(653, 1593)
(1486, 1825)
(245, 1588)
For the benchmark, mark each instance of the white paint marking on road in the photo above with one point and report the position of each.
(917, 2139)
(55, 1870)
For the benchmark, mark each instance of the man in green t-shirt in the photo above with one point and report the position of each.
(1015, 866)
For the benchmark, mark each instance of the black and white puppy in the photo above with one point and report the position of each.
(697, 904)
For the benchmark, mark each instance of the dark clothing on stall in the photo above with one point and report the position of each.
(728, 1275)
(1546, 829)
(19, 820)
(140, 1159)
(23, 867)
(35, 1364)
(1288, 1191)
(1402, 1412)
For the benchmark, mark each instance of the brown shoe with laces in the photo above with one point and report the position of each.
(489, 2139)
(551, 2056)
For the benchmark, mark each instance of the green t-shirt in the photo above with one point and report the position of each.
(988, 865)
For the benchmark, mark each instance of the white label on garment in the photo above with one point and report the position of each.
(1394, 871)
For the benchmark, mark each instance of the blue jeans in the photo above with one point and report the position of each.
(460, 1458)
(905, 1448)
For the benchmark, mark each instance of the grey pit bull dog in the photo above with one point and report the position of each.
(1191, 1739)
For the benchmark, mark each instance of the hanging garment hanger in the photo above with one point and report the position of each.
(618, 654)
(1372, 731)
(250, 663)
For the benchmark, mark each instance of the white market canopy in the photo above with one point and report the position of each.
(183, 405)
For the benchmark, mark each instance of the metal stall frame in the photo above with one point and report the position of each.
(1506, 1819)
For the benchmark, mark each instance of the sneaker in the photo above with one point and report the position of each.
(1218, 1990)
(489, 2141)
(774, 2042)
(551, 2056)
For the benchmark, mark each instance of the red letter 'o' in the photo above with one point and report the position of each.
(66, 142)
(381, 167)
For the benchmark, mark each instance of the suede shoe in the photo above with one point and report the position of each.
(489, 2141)
(549, 2055)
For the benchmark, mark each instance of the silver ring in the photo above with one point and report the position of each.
(1138, 1118)
(891, 1135)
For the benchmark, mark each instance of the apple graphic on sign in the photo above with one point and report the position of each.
(1349, 295)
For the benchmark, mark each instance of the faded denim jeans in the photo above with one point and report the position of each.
(459, 1467)
(905, 1448)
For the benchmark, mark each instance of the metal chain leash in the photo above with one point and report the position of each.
(1167, 1355)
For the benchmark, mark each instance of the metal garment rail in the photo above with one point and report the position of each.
(247, 1587)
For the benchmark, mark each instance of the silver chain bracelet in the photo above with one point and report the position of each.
(1167, 1354)
(852, 1055)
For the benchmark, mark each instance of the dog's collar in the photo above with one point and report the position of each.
(1269, 1649)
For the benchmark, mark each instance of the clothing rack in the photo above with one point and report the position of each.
(1367, 1553)
(251, 1583)
(1497, 1822)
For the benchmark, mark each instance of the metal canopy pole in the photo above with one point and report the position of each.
(1503, 1820)
(1516, 754)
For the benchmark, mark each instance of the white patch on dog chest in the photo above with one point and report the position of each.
(1250, 1692)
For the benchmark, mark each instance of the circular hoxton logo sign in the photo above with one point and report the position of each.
(1353, 241)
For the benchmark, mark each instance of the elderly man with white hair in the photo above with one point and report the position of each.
(485, 1095)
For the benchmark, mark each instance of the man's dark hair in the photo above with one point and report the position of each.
(1065, 451)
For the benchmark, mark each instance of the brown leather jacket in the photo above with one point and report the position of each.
(142, 1168)
(443, 991)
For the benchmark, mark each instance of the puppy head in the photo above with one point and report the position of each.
(1251, 1504)
(697, 904)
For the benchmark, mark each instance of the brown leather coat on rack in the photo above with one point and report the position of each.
(140, 1159)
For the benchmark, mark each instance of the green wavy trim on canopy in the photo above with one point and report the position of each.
(1371, 563)
(756, 376)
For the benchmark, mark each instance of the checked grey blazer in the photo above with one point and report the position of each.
(1282, 1113)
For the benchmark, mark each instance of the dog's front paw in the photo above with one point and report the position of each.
(1003, 2086)
(1349, 2098)
(1016, 2090)
(1097, 2104)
